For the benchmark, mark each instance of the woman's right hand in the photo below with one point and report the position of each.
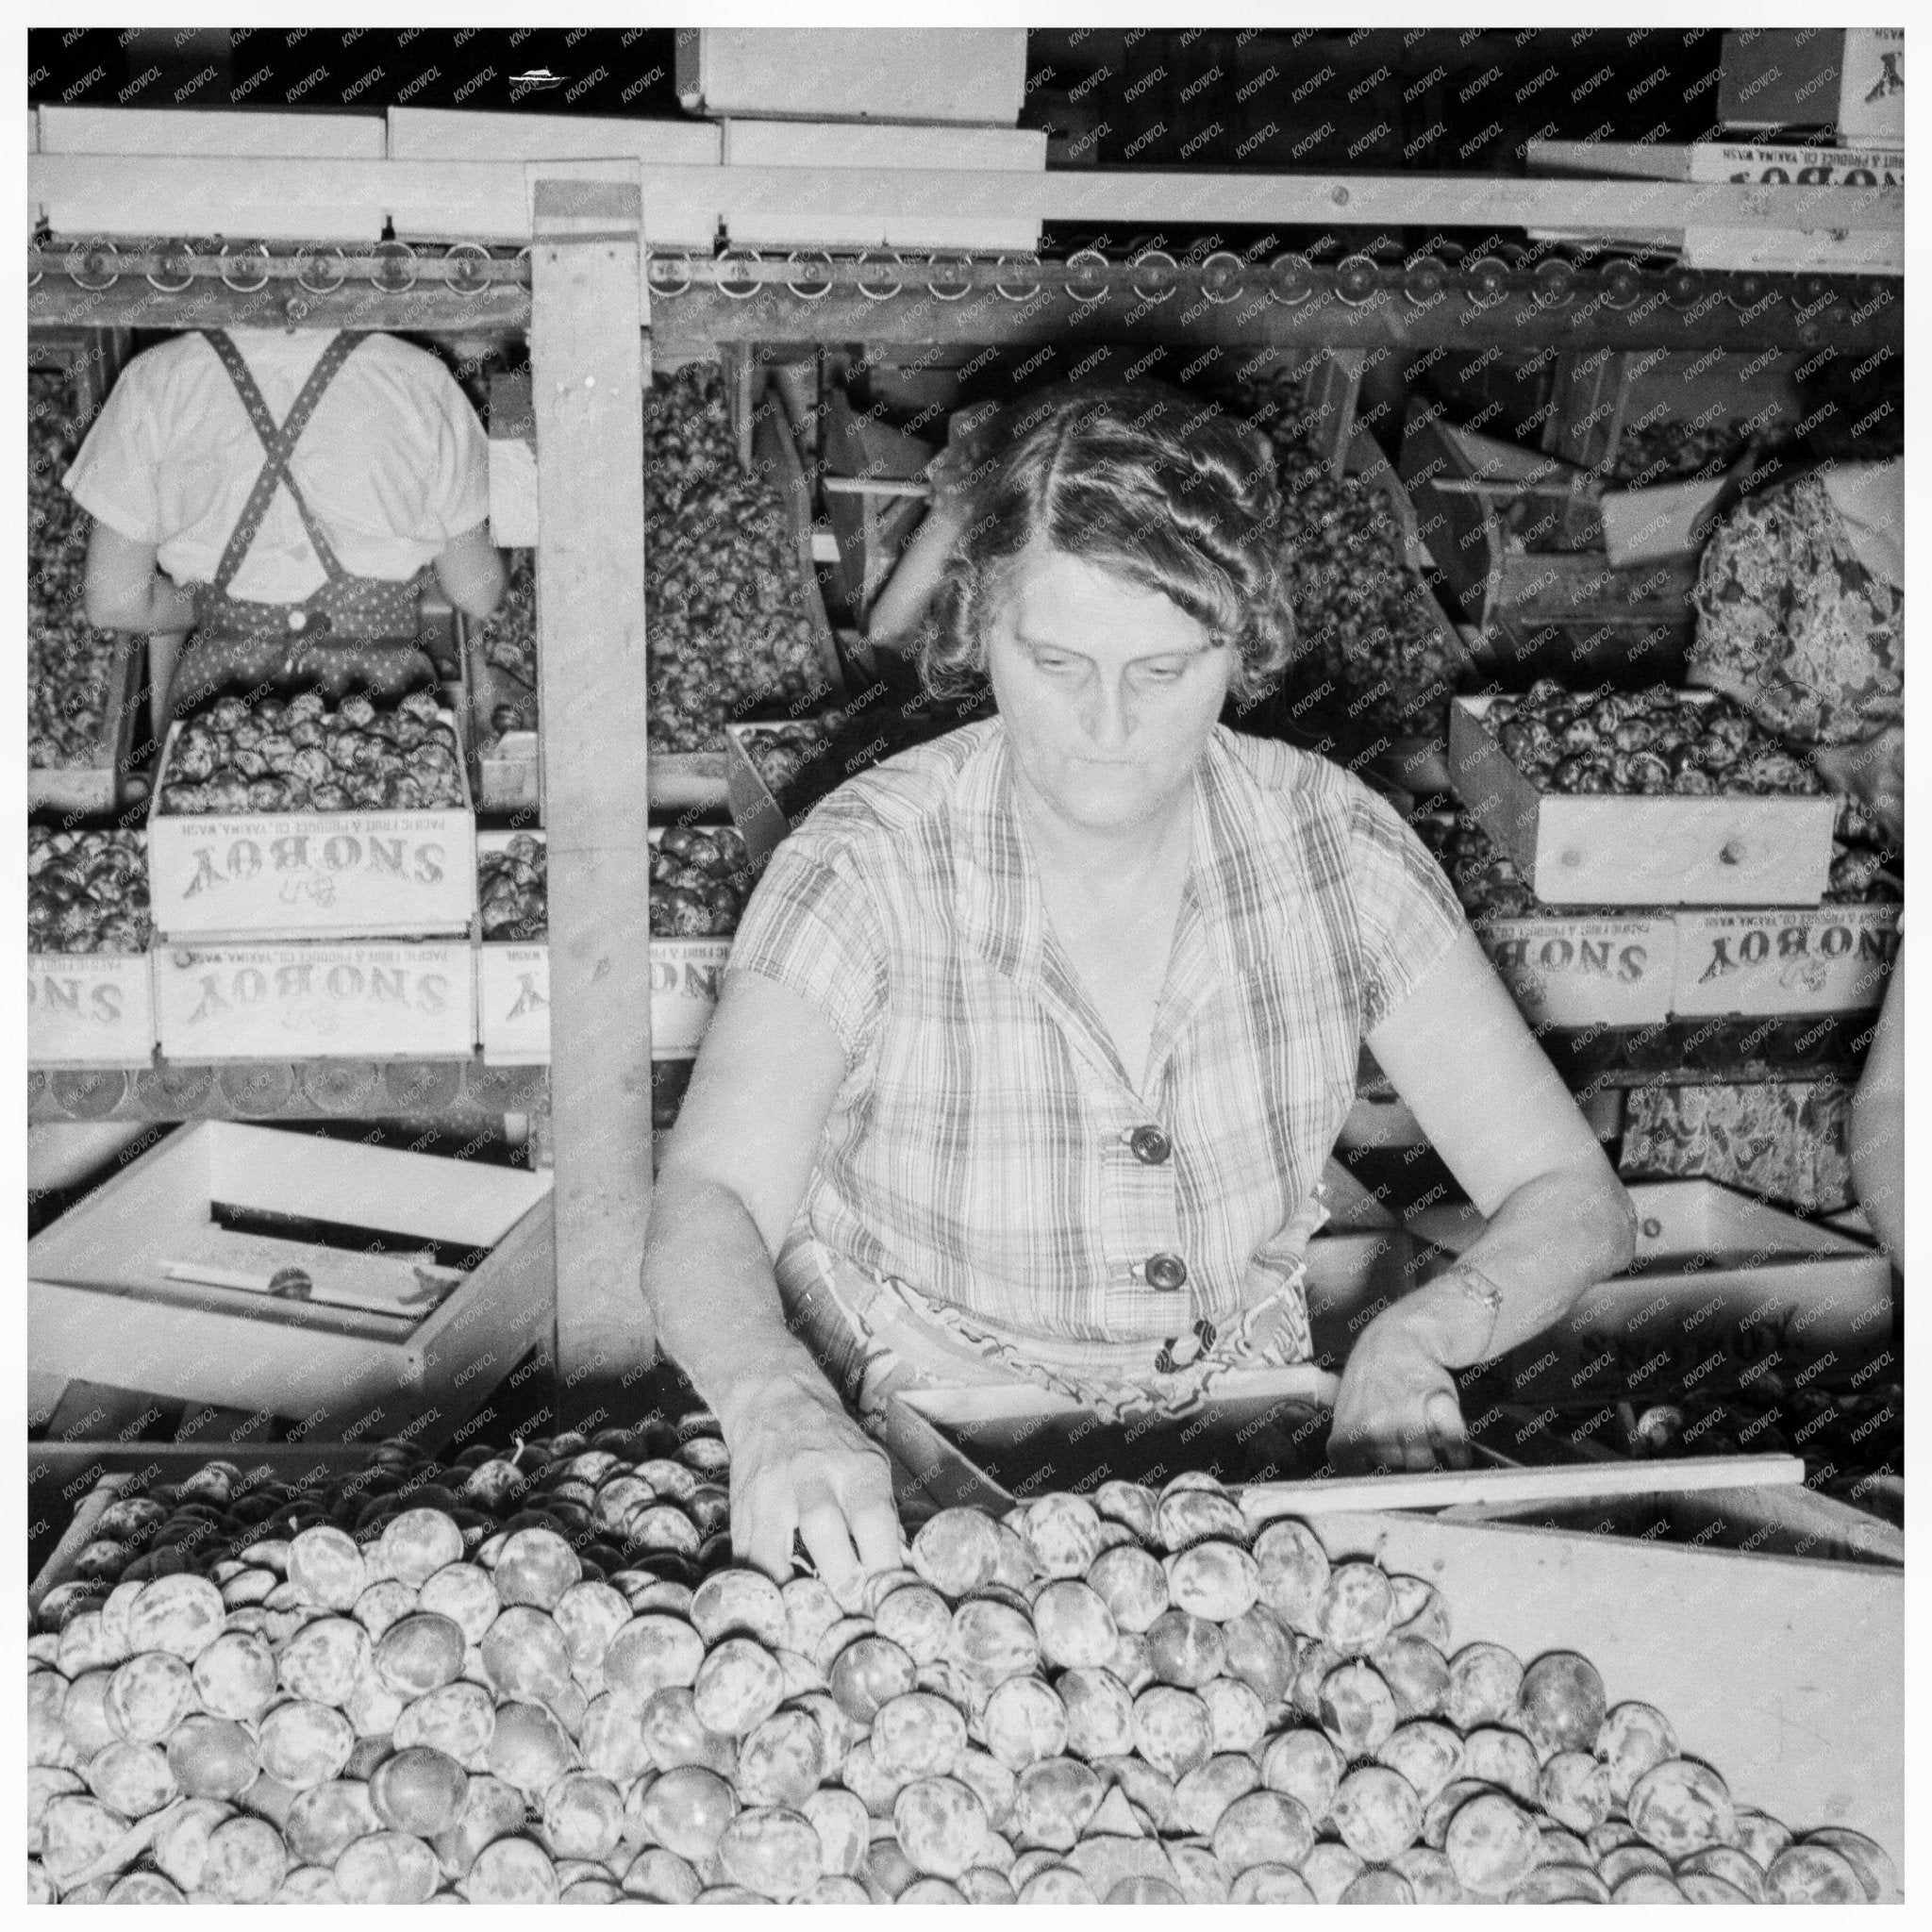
(800, 1464)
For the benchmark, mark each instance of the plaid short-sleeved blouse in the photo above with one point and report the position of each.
(982, 1144)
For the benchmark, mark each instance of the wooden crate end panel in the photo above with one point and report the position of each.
(305, 1001)
(1585, 971)
(1835, 959)
(200, 1355)
(90, 1009)
(509, 1304)
(1722, 851)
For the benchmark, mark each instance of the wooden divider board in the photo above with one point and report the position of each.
(585, 350)
(1786, 1676)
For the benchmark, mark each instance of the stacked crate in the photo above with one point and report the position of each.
(312, 933)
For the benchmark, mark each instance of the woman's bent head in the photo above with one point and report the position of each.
(1148, 487)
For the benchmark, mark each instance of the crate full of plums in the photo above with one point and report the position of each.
(1657, 797)
(90, 999)
(296, 820)
(699, 881)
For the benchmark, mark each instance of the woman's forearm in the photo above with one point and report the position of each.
(732, 1340)
(1553, 1237)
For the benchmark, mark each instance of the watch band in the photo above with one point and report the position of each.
(1475, 1286)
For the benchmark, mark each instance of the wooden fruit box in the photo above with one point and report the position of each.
(95, 786)
(369, 873)
(1568, 614)
(513, 991)
(1836, 960)
(90, 1009)
(1786, 1674)
(1577, 849)
(361, 1000)
(101, 1308)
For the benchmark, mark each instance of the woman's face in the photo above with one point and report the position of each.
(1108, 690)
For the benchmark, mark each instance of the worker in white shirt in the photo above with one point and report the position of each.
(280, 495)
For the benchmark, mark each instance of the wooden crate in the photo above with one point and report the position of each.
(775, 454)
(301, 875)
(513, 991)
(1563, 613)
(1784, 1675)
(362, 1000)
(1836, 960)
(90, 1009)
(95, 788)
(101, 1310)
(1587, 970)
(1578, 849)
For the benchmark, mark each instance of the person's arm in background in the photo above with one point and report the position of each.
(126, 591)
(1493, 1107)
(900, 608)
(471, 572)
(1878, 1121)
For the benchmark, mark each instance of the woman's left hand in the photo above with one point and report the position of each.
(1397, 1407)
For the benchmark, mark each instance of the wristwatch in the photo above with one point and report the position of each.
(1472, 1285)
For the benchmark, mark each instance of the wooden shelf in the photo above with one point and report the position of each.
(459, 1090)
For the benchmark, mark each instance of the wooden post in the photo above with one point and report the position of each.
(587, 375)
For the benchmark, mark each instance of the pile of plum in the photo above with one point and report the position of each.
(516, 1680)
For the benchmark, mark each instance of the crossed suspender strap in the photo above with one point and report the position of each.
(280, 444)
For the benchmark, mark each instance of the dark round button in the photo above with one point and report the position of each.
(1166, 1270)
(1150, 1145)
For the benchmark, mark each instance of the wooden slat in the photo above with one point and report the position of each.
(585, 350)
(802, 207)
(1572, 1486)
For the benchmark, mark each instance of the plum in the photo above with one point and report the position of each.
(917, 1735)
(182, 1614)
(770, 1851)
(941, 1825)
(1560, 1703)
(304, 1744)
(147, 1696)
(1261, 1652)
(956, 1551)
(326, 1568)
(1185, 1649)
(650, 1653)
(1491, 1843)
(1075, 1627)
(1426, 1753)
(783, 1760)
(1378, 1813)
(528, 1748)
(1305, 1766)
(213, 1757)
(1484, 1680)
(740, 1602)
(1358, 1709)
(1214, 1579)
(583, 1816)
(535, 1568)
(1634, 1739)
(687, 1810)
(1063, 1533)
(1416, 1673)
(1505, 1758)
(1262, 1827)
(1573, 1788)
(1270, 1885)
(510, 1871)
(324, 1660)
(1329, 1870)
(244, 1863)
(918, 1619)
(1172, 1729)
(1681, 1806)
(1201, 1794)
(1053, 1800)
(1131, 1584)
(419, 1790)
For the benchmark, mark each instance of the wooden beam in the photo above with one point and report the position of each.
(588, 378)
(767, 206)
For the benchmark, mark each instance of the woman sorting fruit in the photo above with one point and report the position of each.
(1037, 1037)
(280, 493)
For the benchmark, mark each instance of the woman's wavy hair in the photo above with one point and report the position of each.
(1162, 487)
